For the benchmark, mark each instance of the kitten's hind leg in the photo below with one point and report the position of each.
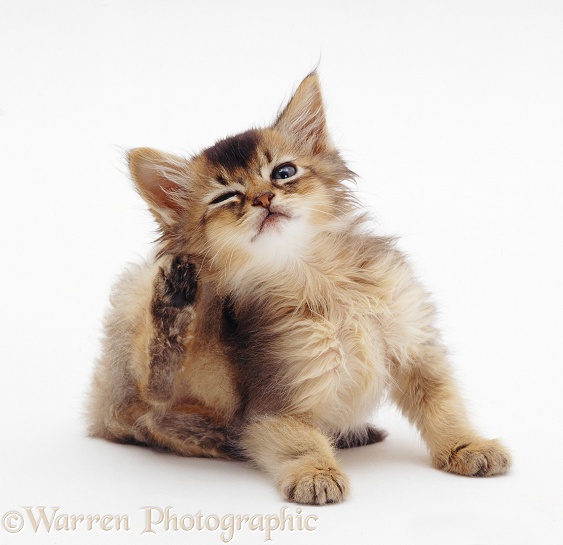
(188, 431)
(298, 456)
(360, 437)
(174, 294)
(426, 393)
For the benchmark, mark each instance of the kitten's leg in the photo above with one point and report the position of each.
(426, 393)
(298, 456)
(360, 437)
(171, 314)
(189, 430)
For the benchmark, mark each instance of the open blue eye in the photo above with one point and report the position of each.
(284, 171)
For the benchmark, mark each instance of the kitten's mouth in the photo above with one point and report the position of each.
(272, 219)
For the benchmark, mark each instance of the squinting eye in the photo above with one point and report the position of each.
(224, 197)
(284, 171)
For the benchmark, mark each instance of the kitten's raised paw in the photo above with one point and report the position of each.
(479, 458)
(180, 283)
(316, 486)
(175, 285)
(172, 306)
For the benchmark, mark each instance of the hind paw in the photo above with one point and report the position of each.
(360, 437)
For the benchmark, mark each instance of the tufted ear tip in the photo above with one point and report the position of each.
(303, 119)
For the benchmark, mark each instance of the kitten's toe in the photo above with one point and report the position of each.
(316, 486)
(479, 458)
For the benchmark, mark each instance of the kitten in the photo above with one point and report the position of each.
(269, 323)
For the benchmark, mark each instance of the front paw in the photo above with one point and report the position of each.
(478, 458)
(315, 485)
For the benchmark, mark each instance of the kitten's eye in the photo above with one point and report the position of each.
(284, 171)
(225, 197)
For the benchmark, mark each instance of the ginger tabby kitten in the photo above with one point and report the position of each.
(269, 322)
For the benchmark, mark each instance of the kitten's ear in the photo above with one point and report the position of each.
(158, 177)
(303, 119)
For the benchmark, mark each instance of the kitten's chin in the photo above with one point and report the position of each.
(280, 239)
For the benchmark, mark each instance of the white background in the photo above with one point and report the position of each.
(450, 112)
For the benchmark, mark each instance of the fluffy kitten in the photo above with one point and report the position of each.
(269, 323)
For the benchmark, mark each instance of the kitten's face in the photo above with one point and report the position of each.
(257, 199)
(265, 200)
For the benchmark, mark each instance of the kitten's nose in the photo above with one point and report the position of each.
(263, 199)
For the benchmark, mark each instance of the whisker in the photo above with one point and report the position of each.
(209, 246)
(325, 212)
(229, 239)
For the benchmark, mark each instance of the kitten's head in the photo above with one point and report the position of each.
(254, 200)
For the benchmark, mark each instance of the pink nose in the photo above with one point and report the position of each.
(263, 199)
